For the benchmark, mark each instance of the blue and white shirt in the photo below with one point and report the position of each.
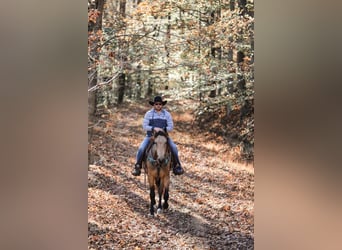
(153, 119)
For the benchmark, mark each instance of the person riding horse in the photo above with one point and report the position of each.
(157, 119)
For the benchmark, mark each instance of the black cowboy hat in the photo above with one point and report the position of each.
(158, 99)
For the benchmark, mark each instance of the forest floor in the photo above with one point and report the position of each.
(211, 204)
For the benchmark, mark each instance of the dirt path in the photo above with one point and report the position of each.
(211, 205)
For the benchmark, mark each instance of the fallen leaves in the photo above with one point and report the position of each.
(226, 208)
(211, 205)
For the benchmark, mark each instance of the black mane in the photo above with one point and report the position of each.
(163, 133)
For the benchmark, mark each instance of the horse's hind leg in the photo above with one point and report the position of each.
(153, 200)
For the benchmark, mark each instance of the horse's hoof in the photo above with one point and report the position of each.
(159, 211)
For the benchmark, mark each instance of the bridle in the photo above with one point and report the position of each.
(153, 158)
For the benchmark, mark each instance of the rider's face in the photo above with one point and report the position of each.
(158, 106)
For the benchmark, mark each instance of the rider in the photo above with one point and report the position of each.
(157, 119)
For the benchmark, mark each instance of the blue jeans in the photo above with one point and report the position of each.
(144, 145)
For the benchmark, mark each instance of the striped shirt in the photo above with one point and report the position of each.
(153, 119)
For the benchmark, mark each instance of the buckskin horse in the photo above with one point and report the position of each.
(158, 165)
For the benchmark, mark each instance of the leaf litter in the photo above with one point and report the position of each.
(211, 204)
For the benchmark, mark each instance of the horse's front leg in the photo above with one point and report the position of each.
(166, 192)
(166, 198)
(160, 193)
(153, 200)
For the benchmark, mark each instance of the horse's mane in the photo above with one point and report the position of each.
(162, 133)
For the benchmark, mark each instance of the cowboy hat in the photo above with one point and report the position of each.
(158, 99)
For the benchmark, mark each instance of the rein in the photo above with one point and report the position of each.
(156, 163)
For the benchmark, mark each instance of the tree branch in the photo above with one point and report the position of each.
(98, 85)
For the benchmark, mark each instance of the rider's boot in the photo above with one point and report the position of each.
(178, 170)
(136, 170)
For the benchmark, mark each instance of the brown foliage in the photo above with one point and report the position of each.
(235, 126)
(211, 205)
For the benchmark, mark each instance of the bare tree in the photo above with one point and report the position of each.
(95, 12)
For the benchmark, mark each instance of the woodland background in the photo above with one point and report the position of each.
(197, 50)
(198, 55)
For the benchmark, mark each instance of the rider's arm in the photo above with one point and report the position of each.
(146, 121)
(169, 122)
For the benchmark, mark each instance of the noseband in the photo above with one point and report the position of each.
(157, 163)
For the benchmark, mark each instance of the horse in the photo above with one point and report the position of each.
(157, 165)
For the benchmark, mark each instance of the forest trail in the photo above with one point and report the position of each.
(211, 204)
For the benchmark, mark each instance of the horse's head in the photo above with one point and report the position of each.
(161, 146)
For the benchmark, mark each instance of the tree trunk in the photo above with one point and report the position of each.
(149, 88)
(138, 86)
(121, 87)
(124, 49)
(93, 28)
(232, 5)
(123, 8)
(242, 6)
